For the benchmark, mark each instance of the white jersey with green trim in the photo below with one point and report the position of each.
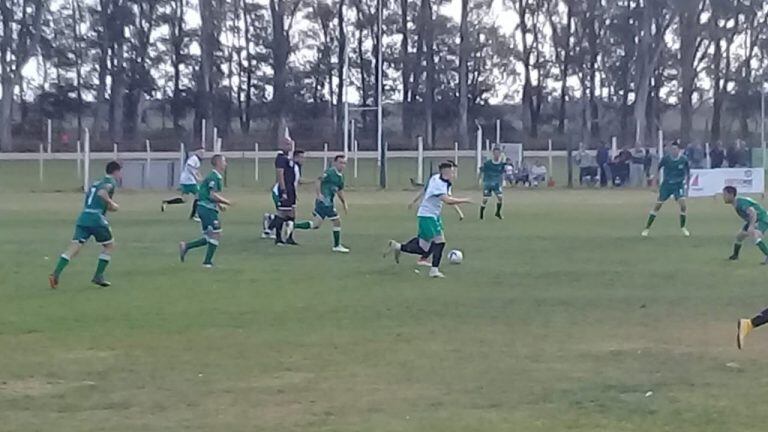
(432, 203)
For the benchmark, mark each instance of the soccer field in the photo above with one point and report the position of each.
(560, 318)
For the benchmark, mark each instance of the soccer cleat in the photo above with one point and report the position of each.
(53, 281)
(182, 251)
(393, 247)
(645, 233)
(196, 218)
(265, 234)
(498, 215)
(733, 257)
(765, 261)
(435, 273)
(291, 242)
(208, 265)
(685, 232)
(100, 281)
(163, 206)
(279, 243)
(744, 327)
(424, 262)
(340, 249)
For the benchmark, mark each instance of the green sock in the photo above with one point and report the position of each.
(683, 217)
(763, 248)
(651, 218)
(736, 249)
(212, 245)
(498, 208)
(482, 210)
(303, 225)
(197, 243)
(63, 262)
(103, 263)
(336, 237)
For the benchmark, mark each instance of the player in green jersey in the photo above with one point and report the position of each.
(492, 173)
(211, 202)
(755, 221)
(329, 186)
(677, 172)
(93, 223)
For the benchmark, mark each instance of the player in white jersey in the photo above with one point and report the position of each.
(430, 240)
(188, 180)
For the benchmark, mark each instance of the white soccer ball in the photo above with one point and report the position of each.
(455, 256)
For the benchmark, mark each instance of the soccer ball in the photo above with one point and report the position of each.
(455, 256)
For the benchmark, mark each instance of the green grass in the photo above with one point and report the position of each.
(560, 318)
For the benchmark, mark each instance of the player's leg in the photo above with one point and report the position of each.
(499, 201)
(740, 237)
(484, 203)
(66, 257)
(105, 257)
(757, 236)
(663, 196)
(207, 218)
(289, 227)
(337, 246)
(436, 249)
(193, 209)
(683, 213)
(745, 326)
(103, 235)
(212, 238)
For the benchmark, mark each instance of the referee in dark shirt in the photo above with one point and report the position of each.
(286, 188)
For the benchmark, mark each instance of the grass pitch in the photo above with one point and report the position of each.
(560, 318)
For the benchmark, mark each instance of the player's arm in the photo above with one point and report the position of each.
(219, 198)
(449, 200)
(343, 200)
(111, 204)
(416, 199)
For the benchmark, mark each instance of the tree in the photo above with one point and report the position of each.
(21, 28)
(464, 75)
(691, 40)
(283, 13)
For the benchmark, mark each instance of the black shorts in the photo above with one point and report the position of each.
(287, 199)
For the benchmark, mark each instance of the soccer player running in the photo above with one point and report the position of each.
(188, 180)
(677, 172)
(328, 187)
(93, 222)
(211, 202)
(430, 240)
(492, 173)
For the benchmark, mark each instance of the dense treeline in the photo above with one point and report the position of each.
(585, 69)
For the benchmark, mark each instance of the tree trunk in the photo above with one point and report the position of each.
(280, 51)
(562, 112)
(102, 109)
(429, 91)
(342, 60)
(207, 41)
(463, 75)
(406, 70)
(689, 31)
(117, 96)
(643, 73)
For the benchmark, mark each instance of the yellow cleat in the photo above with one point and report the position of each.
(745, 326)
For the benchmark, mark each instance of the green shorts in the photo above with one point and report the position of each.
(101, 233)
(492, 189)
(325, 211)
(761, 226)
(430, 228)
(188, 189)
(209, 219)
(671, 189)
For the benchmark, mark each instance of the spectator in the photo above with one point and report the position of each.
(716, 156)
(620, 168)
(509, 171)
(603, 162)
(636, 166)
(647, 162)
(587, 168)
(697, 156)
(731, 156)
(538, 173)
(742, 154)
(522, 175)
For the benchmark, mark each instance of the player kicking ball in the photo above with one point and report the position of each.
(492, 173)
(211, 202)
(430, 240)
(745, 327)
(188, 180)
(677, 171)
(329, 186)
(755, 218)
(93, 222)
